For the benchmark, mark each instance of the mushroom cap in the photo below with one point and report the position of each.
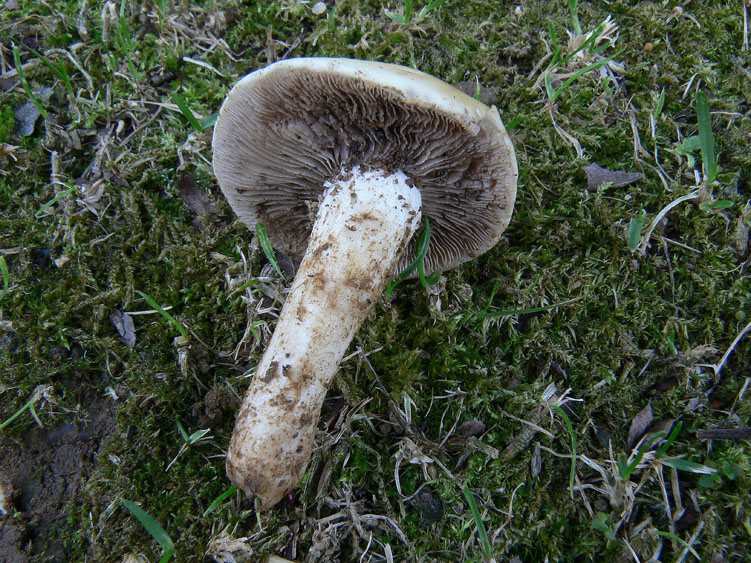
(285, 130)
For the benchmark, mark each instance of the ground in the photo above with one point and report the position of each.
(615, 307)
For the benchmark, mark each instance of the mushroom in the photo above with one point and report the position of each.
(340, 159)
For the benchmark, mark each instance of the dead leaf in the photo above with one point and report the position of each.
(286, 264)
(597, 175)
(226, 548)
(536, 461)
(695, 404)
(664, 427)
(428, 504)
(666, 384)
(472, 427)
(27, 114)
(8, 150)
(475, 444)
(195, 200)
(740, 236)
(123, 324)
(639, 425)
(488, 94)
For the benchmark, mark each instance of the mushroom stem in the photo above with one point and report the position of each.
(363, 225)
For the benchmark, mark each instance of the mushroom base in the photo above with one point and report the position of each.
(363, 225)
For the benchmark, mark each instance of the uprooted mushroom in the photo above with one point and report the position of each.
(340, 159)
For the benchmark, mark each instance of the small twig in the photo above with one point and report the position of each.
(679, 244)
(360, 351)
(392, 404)
(380, 518)
(688, 546)
(532, 425)
(565, 135)
(730, 349)
(510, 513)
(203, 64)
(148, 311)
(741, 393)
(724, 434)
(638, 147)
(141, 127)
(644, 243)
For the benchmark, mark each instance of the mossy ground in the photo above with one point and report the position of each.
(632, 328)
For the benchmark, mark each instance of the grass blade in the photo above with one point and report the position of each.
(69, 189)
(680, 541)
(625, 469)
(209, 120)
(402, 19)
(219, 500)
(485, 315)
(153, 527)
(20, 411)
(187, 112)
(719, 204)
(481, 531)
(25, 84)
(689, 466)
(244, 286)
(182, 431)
(706, 139)
(6, 277)
(573, 8)
(492, 294)
(111, 62)
(126, 42)
(556, 47)
(599, 522)
(422, 246)
(585, 70)
(549, 84)
(670, 440)
(514, 123)
(398, 18)
(634, 231)
(58, 69)
(660, 104)
(197, 436)
(154, 305)
(429, 7)
(268, 250)
(124, 31)
(570, 429)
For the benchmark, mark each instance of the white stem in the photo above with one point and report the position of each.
(362, 227)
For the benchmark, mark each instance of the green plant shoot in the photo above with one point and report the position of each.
(164, 313)
(268, 250)
(153, 527)
(706, 139)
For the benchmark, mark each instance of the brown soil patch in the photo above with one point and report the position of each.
(46, 469)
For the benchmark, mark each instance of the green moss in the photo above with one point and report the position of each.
(631, 329)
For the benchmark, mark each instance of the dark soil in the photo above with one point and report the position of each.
(44, 469)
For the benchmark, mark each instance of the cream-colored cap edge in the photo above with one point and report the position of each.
(415, 86)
